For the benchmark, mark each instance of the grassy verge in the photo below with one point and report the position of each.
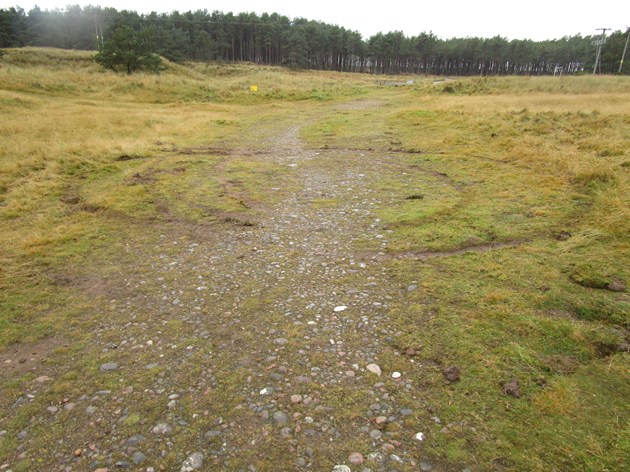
(508, 209)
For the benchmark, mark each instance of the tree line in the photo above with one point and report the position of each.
(301, 43)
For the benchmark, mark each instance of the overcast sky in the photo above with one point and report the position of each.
(533, 19)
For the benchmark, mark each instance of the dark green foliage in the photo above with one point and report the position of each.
(129, 50)
(13, 28)
(306, 44)
(612, 52)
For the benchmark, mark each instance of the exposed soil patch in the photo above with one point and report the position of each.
(369, 150)
(142, 179)
(511, 388)
(214, 151)
(18, 359)
(425, 255)
(70, 199)
(91, 284)
(129, 157)
(90, 208)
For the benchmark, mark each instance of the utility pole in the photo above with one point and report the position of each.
(95, 27)
(623, 56)
(599, 43)
(99, 37)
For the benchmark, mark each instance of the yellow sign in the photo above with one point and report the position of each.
(254, 88)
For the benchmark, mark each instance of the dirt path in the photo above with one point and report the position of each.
(247, 346)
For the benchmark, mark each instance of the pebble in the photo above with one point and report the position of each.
(162, 429)
(266, 391)
(280, 341)
(396, 375)
(297, 398)
(374, 369)
(52, 409)
(376, 434)
(419, 436)
(425, 467)
(356, 458)
(134, 440)
(90, 410)
(406, 412)
(412, 287)
(341, 468)
(280, 417)
(193, 462)
(109, 366)
(376, 457)
(340, 308)
(138, 457)
(22, 434)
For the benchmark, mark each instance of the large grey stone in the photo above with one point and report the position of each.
(192, 462)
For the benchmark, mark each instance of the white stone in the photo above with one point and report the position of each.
(340, 308)
(341, 468)
(396, 375)
(419, 436)
(374, 369)
(193, 462)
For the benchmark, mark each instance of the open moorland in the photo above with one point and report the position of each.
(337, 269)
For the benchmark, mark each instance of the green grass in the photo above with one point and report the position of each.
(491, 170)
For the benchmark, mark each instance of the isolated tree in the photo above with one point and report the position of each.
(129, 49)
